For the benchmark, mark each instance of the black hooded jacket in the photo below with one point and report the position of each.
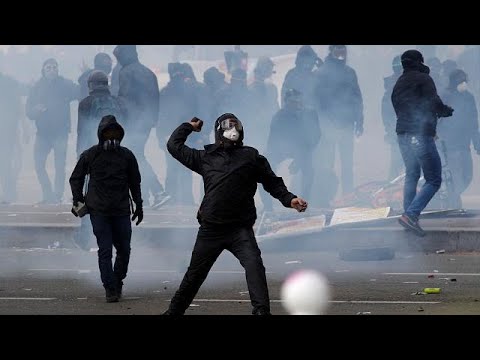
(337, 94)
(113, 173)
(416, 102)
(138, 88)
(230, 177)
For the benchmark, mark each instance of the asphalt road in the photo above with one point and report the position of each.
(67, 282)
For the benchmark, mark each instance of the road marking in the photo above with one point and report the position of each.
(25, 298)
(435, 273)
(333, 301)
(151, 271)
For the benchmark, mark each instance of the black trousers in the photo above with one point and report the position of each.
(211, 241)
(112, 231)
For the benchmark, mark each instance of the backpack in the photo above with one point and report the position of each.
(105, 105)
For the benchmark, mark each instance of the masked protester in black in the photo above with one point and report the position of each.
(113, 171)
(390, 119)
(418, 107)
(227, 214)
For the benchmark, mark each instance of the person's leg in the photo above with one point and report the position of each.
(102, 228)
(467, 165)
(244, 247)
(83, 234)
(172, 179)
(306, 166)
(396, 163)
(208, 246)
(150, 182)
(345, 148)
(454, 190)
(122, 235)
(41, 150)
(426, 153)
(325, 181)
(60, 153)
(412, 170)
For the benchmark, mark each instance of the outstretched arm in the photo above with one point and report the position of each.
(275, 186)
(191, 158)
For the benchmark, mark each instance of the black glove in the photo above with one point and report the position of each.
(138, 214)
(448, 111)
(75, 204)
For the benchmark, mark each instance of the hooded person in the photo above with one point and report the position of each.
(113, 176)
(91, 110)
(389, 119)
(139, 91)
(294, 117)
(418, 107)
(301, 76)
(338, 100)
(227, 214)
(459, 134)
(264, 101)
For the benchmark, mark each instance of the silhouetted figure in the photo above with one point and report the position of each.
(140, 93)
(390, 120)
(459, 133)
(48, 105)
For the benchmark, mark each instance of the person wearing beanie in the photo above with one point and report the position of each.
(418, 107)
(293, 118)
(230, 172)
(389, 120)
(459, 134)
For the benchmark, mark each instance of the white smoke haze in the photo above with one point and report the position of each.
(372, 64)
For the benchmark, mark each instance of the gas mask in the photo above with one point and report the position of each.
(339, 53)
(50, 71)
(112, 139)
(231, 129)
(462, 87)
(111, 144)
(232, 134)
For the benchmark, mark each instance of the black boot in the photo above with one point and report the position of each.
(261, 311)
(118, 288)
(111, 295)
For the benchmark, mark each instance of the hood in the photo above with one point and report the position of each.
(219, 139)
(107, 122)
(126, 54)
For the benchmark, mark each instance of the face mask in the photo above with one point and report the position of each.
(341, 57)
(462, 87)
(111, 144)
(50, 71)
(232, 134)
